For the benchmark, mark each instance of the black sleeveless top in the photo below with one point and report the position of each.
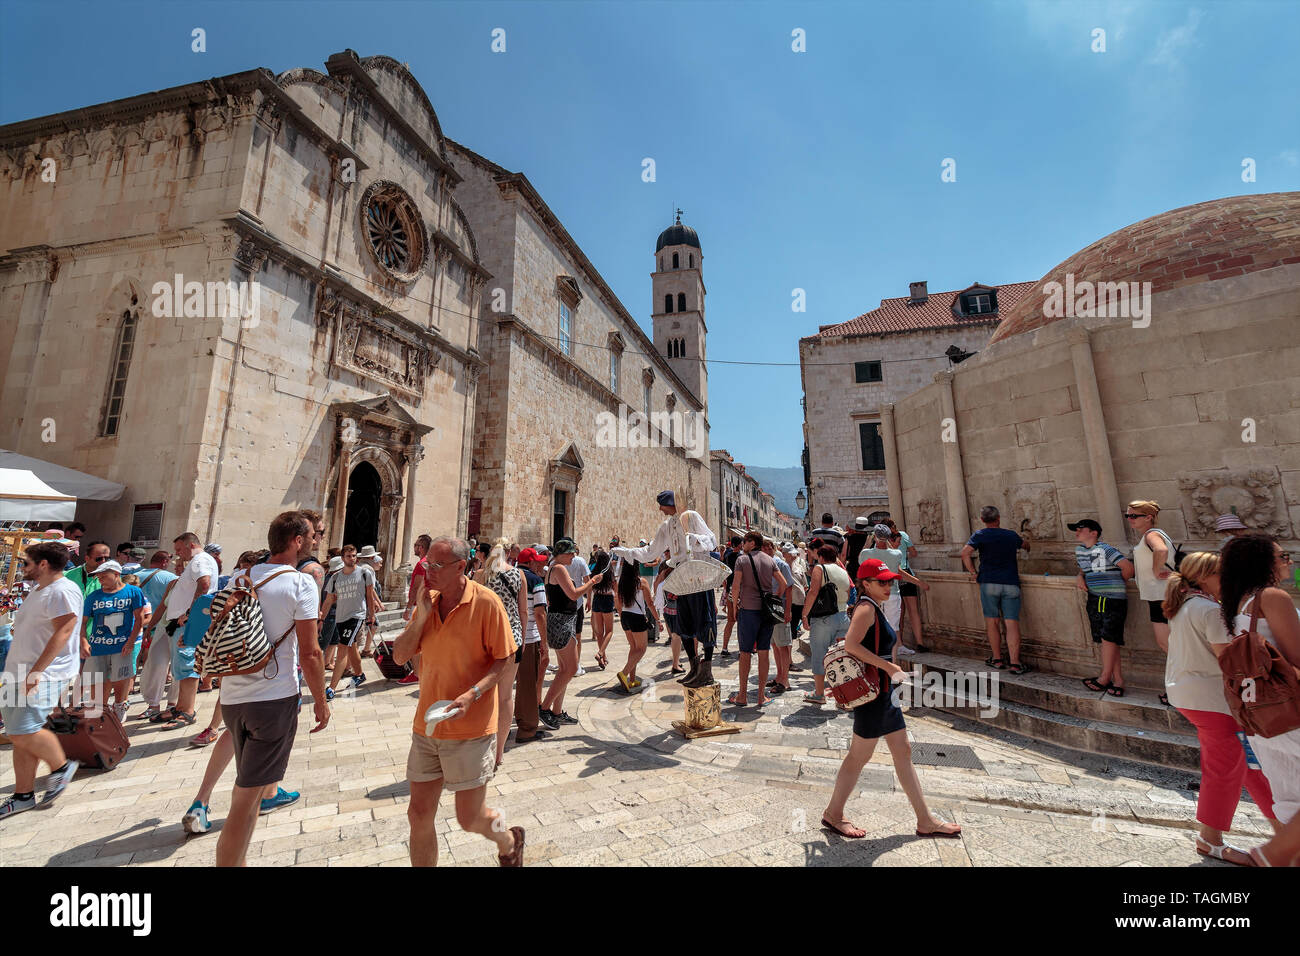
(557, 600)
(884, 636)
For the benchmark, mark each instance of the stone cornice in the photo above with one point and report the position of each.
(286, 255)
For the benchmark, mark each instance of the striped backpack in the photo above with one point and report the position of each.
(236, 641)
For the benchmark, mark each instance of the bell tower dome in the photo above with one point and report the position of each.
(677, 306)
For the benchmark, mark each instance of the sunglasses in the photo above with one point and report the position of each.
(433, 566)
(1284, 556)
(1132, 515)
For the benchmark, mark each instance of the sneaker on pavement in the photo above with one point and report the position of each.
(59, 781)
(14, 805)
(564, 718)
(581, 670)
(196, 818)
(120, 710)
(905, 650)
(282, 798)
(551, 668)
(329, 693)
(205, 738)
(548, 718)
(411, 678)
(358, 680)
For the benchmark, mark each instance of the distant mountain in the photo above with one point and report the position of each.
(782, 484)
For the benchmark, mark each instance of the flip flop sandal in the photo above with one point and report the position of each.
(733, 700)
(994, 662)
(181, 719)
(678, 670)
(1115, 691)
(848, 836)
(1019, 669)
(940, 833)
(814, 699)
(1095, 685)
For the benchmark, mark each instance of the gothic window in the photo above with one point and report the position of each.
(668, 302)
(125, 344)
(675, 265)
(566, 319)
(681, 301)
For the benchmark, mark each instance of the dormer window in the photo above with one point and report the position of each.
(979, 301)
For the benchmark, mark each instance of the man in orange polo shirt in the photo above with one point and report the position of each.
(462, 634)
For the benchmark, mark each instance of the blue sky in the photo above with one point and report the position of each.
(817, 170)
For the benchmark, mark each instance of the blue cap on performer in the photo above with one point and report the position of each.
(666, 498)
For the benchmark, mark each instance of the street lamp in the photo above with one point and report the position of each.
(801, 500)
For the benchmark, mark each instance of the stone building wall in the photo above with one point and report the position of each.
(535, 404)
(1177, 399)
(836, 404)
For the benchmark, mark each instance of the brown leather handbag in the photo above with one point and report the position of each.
(1260, 685)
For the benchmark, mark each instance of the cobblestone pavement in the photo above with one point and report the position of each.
(621, 788)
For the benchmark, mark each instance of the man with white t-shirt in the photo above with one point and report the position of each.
(43, 657)
(261, 709)
(197, 580)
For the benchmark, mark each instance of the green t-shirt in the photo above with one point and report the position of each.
(87, 583)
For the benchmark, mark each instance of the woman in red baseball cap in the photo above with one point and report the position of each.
(879, 717)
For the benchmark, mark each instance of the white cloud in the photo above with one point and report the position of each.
(1172, 44)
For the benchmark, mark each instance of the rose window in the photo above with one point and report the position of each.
(394, 230)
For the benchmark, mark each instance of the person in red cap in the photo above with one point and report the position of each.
(871, 640)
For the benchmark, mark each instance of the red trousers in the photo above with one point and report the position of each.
(1224, 771)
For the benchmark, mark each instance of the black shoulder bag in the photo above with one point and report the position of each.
(773, 606)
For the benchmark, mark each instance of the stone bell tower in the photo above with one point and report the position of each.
(677, 309)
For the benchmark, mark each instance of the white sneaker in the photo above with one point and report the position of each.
(581, 670)
(120, 709)
(551, 668)
(905, 650)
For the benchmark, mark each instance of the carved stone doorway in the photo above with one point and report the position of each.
(361, 524)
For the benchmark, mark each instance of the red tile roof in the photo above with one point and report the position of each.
(902, 315)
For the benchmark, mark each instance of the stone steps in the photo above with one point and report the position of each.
(1062, 711)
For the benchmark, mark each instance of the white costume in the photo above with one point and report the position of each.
(695, 542)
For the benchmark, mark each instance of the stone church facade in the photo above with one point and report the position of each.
(263, 291)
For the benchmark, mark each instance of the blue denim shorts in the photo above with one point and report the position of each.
(1001, 600)
(25, 714)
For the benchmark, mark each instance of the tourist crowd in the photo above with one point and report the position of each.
(482, 621)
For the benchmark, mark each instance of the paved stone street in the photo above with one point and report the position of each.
(622, 788)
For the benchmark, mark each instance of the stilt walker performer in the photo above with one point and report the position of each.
(687, 538)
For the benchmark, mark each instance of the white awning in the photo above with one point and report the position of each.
(78, 484)
(24, 497)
